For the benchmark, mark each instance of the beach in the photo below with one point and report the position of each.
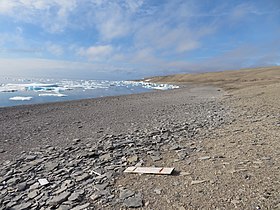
(220, 135)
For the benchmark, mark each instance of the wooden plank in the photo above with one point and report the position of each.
(149, 170)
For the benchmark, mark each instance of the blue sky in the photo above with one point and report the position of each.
(99, 39)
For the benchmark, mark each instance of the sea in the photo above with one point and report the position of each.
(23, 91)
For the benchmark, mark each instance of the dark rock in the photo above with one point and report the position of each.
(21, 186)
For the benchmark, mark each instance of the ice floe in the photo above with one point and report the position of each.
(58, 88)
(150, 85)
(20, 98)
(53, 94)
(30, 87)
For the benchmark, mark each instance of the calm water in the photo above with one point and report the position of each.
(19, 91)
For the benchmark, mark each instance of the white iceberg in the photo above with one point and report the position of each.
(32, 86)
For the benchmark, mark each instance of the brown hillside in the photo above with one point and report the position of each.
(233, 79)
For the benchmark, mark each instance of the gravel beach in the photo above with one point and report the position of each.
(223, 144)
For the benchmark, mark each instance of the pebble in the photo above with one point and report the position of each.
(157, 191)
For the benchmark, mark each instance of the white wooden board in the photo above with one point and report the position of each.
(149, 170)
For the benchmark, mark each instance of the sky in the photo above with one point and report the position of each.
(130, 39)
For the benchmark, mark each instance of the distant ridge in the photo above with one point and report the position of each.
(233, 79)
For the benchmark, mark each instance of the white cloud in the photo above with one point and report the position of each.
(160, 35)
(61, 68)
(52, 14)
(96, 53)
(55, 49)
(114, 19)
(134, 5)
(14, 38)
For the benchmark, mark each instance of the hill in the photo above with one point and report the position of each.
(233, 79)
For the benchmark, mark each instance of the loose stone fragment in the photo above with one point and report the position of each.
(76, 140)
(34, 186)
(126, 193)
(82, 207)
(22, 186)
(101, 186)
(95, 196)
(185, 173)
(10, 204)
(198, 182)
(74, 196)
(33, 194)
(49, 166)
(23, 206)
(175, 147)
(82, 177)
(30, 157)
(59, 199)
(64, 207)
(134, 202)
(204, 158)
(132, 159)
(105, 157)
(155, 157)
(157, 191)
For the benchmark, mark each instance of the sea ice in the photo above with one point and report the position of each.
(20, 98)
(53, 94)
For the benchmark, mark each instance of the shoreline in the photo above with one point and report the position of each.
(223, 145)
(11, 116)
(34, 93)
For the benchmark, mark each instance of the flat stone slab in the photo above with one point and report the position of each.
(59, 199)
(133, 202)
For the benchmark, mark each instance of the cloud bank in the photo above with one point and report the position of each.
(138, 37)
